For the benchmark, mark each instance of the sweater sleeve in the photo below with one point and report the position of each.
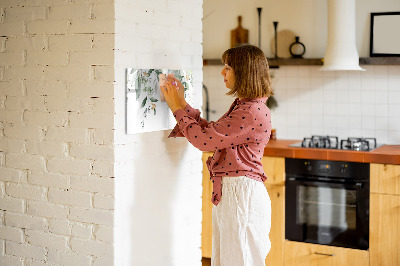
(193, 113)
(229, 131)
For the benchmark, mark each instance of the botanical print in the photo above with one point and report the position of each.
(146, 109)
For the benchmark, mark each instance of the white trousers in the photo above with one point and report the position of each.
(241, 223)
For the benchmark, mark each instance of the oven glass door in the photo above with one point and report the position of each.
(326, 213)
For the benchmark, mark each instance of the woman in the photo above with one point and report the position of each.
(242, 208)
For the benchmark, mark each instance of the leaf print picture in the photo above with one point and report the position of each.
(146, 109)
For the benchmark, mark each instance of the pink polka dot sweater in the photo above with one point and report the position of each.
(238, 139)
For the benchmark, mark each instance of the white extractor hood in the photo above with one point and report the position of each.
(341, 51)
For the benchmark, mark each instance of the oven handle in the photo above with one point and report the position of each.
(357, 185)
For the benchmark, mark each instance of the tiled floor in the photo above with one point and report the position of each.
(206, 261)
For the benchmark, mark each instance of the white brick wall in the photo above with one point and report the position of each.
(56, 132)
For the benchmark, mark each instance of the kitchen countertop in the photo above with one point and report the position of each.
(389, 154)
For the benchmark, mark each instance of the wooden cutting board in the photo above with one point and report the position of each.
(239, 35)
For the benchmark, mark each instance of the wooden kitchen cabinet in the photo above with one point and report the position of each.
(274, 168)
(305, 254)
(384, 237)
(206, 225)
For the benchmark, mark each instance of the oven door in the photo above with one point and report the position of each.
(327, 213)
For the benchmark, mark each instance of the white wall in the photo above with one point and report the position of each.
(56, 132)
(158, 180)
(311, 102)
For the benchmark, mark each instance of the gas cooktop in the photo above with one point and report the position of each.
(332, 142)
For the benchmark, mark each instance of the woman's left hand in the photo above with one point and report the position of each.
(170, 91)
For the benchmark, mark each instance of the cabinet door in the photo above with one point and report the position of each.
(274, 168)
(384, 229)
(304, 254)
(277, 233)
(385, 178)
(206, 226)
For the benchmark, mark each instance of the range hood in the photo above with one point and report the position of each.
(341, 51)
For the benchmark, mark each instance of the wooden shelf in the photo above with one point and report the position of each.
(274, 63)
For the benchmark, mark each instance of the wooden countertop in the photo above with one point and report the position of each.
(389, 154)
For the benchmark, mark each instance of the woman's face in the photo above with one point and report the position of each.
(229, 76)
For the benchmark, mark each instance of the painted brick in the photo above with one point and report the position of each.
(45, 27)
(60, 227)
(24, 13)
(32, 262)
(25, 221)
(69, 166)
(11, 29)
(105, 260)
(46, 148)
(11, 175)
(104, 233)
(12, 234)
(2, 214)
(103, 41)
(98, 120)
(24, 132)
(103, 202)
(11, 260)
(56, 103)
(104, 169)
(93, 184)
(95, 216)
(91, 247)
(74, 135)
(103, 11)
(24, 73)
(3, 44)
(69, 197)
(25, 103)
(11, 59)
(12, 117)
(82, 230)
(96, 105)
(91, 26)
(46, 209)
(91, 58)
(46, 118)
(25, 250)
(25, 191)
(70, 12)
(47, 58)
(190, 48)
(26, 161)
(68, 258)
(104, 73)
(12, 204)
(22, 43)
(46, 88)
(2, 158)
(45, 2)
(71, 43)
(12, 145)
(47, 240)
(91, 89)
(81, 73)
(92, 151)
(11, 88)
(48, 179)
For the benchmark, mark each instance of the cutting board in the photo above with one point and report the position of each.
(239, 35)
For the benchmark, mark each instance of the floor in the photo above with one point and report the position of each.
(206, 261)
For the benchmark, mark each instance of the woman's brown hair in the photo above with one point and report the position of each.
(250, 66)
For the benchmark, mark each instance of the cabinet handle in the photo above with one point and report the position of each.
(324, 254)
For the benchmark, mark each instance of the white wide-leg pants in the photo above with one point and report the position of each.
(241, 223)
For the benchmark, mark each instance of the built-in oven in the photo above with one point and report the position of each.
(327, 202)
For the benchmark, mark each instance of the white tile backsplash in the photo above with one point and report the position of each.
(343, 103)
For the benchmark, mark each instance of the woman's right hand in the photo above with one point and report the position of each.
(181, 91)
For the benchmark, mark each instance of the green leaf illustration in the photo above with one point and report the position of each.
(153, 100)
(155, 112)
(144, 102)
